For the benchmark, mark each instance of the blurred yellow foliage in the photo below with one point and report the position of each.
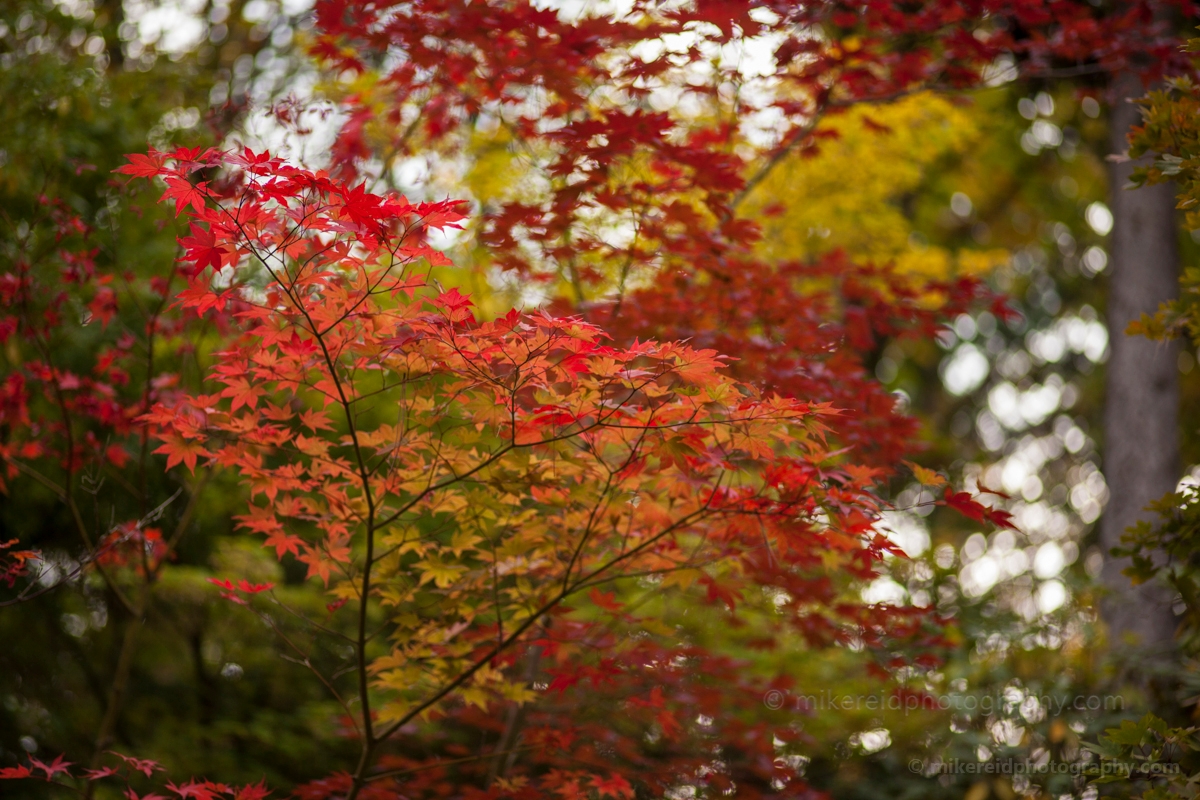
(852, 194)
(495, 172)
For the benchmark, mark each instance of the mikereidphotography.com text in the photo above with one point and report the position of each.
(908, 702)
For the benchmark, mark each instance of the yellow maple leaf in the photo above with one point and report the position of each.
(926, 476)
(517, 692)
(474, 696)
(463, 540)
(443, 575)
(683, 578)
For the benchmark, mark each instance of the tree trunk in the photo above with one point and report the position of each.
(1141, 442)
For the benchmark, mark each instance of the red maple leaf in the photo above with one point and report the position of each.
(198, 791)
(606, 600)
(361, 206)
(969, 507)
(179, 450)
(256, 791)
(241, 393)
(318, 565)
(283, 543)
(144, 766)
(612, 786)
(52, 769)
(202, 248)
(963, 504)
(1000, 518)
(103, 305)
(564, 680)
(185, 194)
(143, 165)
(199, 296)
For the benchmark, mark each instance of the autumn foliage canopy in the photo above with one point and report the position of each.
(496, 504)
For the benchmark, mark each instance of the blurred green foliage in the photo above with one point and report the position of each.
(208, 692)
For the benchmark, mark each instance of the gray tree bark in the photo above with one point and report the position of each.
(1141, 407)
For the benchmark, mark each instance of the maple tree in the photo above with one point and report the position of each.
(475, 476)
